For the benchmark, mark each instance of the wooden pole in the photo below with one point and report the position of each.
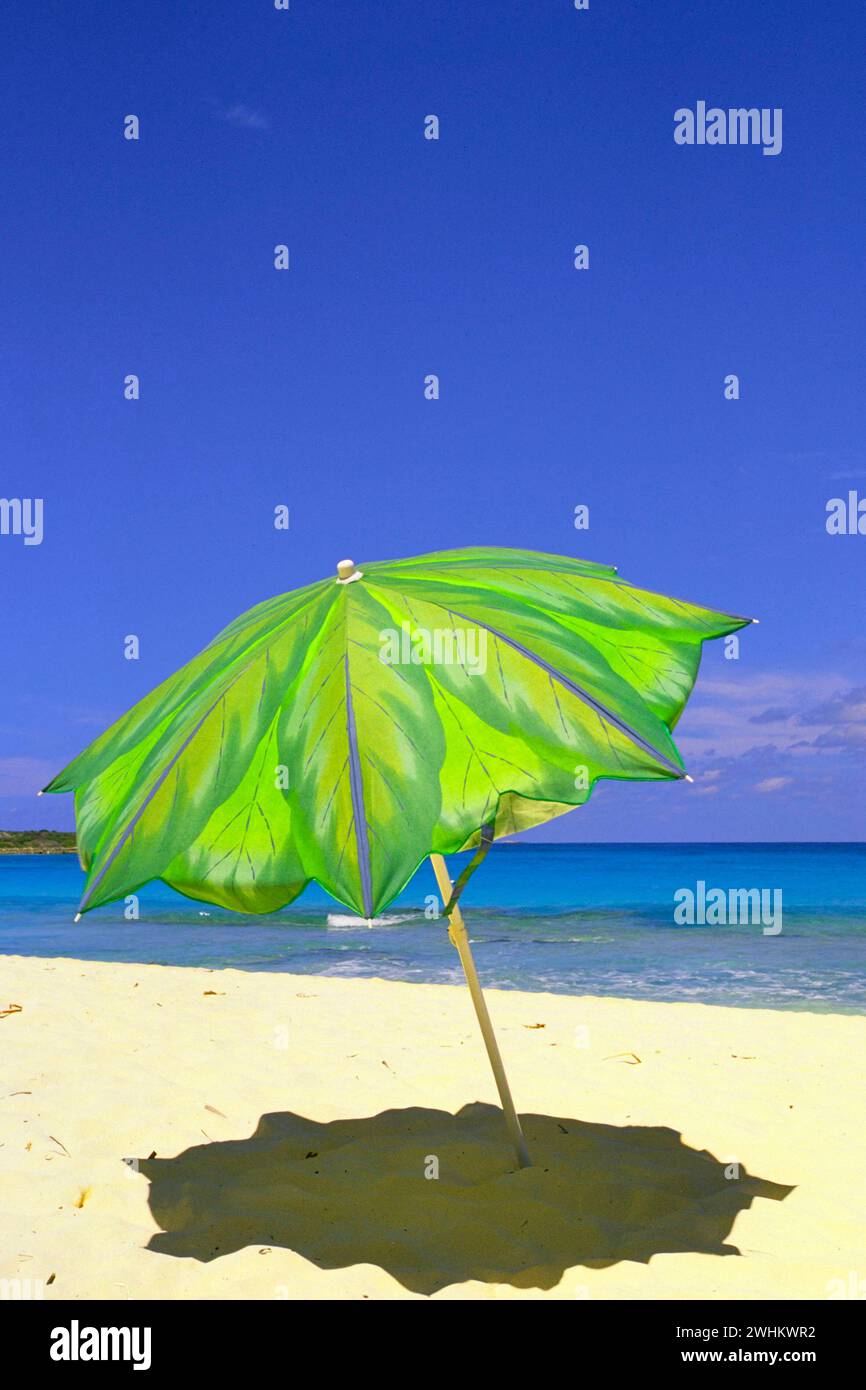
(459, 938)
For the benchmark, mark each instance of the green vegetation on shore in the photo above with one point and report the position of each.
(37, 842)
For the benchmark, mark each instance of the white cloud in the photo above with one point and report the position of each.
(773, 784)
(730, 717)
(246, 117)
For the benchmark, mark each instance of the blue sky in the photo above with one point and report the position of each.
(454, 257)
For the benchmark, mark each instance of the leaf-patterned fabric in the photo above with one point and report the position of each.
(345, 731)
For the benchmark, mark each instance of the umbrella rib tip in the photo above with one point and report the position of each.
(77, 917)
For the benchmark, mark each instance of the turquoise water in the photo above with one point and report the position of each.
(576, 919)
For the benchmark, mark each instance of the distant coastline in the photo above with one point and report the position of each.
(37, 841)
(63, 842)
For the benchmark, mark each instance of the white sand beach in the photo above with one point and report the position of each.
(277, 1130)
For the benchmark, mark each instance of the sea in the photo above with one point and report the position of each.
(648, 921)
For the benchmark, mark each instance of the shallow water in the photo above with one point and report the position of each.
(575, 919)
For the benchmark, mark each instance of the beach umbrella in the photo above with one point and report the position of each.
(405, 709)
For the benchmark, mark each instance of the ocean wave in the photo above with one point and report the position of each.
(347, 921)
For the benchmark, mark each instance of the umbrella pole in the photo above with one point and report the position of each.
(460, 939)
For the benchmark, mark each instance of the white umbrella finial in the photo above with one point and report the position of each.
(347, 571)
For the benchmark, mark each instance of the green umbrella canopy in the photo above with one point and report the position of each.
(345, 731)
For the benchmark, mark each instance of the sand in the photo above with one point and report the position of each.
(187, 1133)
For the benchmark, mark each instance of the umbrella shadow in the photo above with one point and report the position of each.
(358, 1192)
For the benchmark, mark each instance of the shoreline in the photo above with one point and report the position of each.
(811, 1010)
(189, 1132)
